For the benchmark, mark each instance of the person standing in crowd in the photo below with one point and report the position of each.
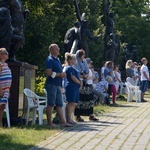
(144, 78)
(5, 82)
(84, 107)
(89, 86)
(102, 70)
(72, 86)
(53, 86)
(130, 72)
(111, 87)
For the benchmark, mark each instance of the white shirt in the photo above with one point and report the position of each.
(90, 81)
(135, 72)
(118, 75)
(144, 68)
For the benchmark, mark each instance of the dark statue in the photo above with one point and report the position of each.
(111, 46)
(5, 28)
(110, 23)
(135, 55)
(85, 32)
(127, 54)
(17, 25)
(71, 35)
(112, 41)
(76, 37)
(117, 48)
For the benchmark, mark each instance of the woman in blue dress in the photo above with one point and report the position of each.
(73, 84)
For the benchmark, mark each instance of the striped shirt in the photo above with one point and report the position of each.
(5, 80)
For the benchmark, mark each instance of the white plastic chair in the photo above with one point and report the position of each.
(131, 89)
(37, 103)
(6, 110)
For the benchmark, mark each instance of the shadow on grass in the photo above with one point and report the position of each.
(7, 143)
(36, 148)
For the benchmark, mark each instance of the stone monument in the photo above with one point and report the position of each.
(12, 26)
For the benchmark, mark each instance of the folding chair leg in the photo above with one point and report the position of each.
(27, 118)
(130, 96)
(40, 113)
(34, 116)
(138, 96)
(7, 115)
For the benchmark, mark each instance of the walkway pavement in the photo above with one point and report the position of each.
(127, 128)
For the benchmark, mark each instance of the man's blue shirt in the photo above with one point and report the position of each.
(55, 65)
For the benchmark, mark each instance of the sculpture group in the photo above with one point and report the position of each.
(13, 21)
(76, 37)
(12, 25)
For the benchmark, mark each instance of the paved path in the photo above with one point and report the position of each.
(127, 128)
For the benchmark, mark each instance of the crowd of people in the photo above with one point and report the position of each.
(138, 75)
(81, 84)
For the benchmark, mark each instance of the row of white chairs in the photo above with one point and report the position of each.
(37, 104)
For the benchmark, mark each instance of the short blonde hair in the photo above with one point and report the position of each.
(128, 64)
(3, 50)
(143, 59)
(69, 56)
(51, 47)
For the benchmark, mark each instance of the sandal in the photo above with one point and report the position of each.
(79, 119)
(92, 118)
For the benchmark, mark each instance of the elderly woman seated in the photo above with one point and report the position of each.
(100, 89)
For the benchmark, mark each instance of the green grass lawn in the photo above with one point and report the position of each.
(24, 137)
(17, 138)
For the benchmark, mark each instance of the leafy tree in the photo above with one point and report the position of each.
(133, 26)
(49, 20)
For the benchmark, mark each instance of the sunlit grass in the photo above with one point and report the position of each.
(17, 138)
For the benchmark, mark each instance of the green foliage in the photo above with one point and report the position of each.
(133, 26)
(49, 20)
(39, 84)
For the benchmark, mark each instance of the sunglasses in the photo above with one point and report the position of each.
(5, 53)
